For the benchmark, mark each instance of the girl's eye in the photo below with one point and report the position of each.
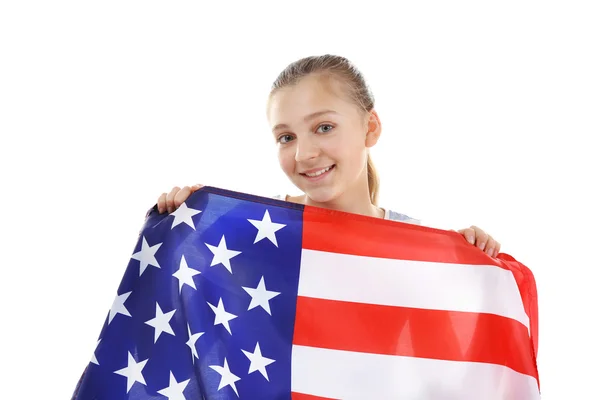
(324, 128)
(285, 138)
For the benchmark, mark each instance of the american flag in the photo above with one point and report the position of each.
(235, 296)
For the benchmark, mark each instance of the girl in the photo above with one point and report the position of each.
(324, 123)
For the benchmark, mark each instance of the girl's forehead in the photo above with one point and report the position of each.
(307, 96)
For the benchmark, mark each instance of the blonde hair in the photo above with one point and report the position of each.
(344, 71)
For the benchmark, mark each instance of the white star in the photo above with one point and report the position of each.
(260, 296)
(160, 322)
(222, 316)
(184, 214)
(146, 255)
(227, 378)
(266, 228)
(258, 362)
(133, 371)
(94, 360)
(192, 342)
(118, 307)
(185, 274)
(175, 390)
(222, 254)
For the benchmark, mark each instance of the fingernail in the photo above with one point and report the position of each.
(490, 252)
(481, 246)
(471, 239)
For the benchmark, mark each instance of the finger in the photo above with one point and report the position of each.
(171, 198)
(182, 196)
(497, 249)
(162, 203)
(490, 246)
(469, 234)
(197, 186)
(481, 237)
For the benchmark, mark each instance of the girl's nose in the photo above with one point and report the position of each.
(306, 149)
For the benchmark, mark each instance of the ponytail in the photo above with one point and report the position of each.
(373, 179)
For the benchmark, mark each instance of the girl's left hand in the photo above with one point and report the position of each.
(476, 236)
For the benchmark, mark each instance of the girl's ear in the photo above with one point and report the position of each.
(373, 129)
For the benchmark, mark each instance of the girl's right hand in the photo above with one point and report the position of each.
(172, 200)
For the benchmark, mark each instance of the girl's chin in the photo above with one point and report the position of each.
(320, 195)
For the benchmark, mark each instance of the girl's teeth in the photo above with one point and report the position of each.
(319, 172)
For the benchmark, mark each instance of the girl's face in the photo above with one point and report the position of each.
(322, 138)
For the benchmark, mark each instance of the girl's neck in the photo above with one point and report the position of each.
(352, 204)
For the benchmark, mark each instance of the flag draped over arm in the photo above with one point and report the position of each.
(239, 296)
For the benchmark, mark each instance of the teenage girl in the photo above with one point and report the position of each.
(323, 120)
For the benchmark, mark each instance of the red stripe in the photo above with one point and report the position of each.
(339, 232)
(413, 332)
(301, 396)
(528, 289)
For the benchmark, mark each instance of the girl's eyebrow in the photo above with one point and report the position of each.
(307, 118)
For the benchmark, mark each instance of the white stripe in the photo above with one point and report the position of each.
(418, 284)
(347, 375)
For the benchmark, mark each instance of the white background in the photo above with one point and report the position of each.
(490, 112)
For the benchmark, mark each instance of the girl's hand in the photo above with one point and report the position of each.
(172, 200)
(477, 237)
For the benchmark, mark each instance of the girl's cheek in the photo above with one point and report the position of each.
(286, 160)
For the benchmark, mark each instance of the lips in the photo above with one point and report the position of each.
(317, 173)
(313, 173)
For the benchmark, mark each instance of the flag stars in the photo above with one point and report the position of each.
(185, 274)
(191, 343)
(94, 360)
(258, 362)
(260, 296)
(222, 316)
(175, 389)
(160, 322)
(221, 254)
(133, 371)
(266, 228)
(227, 377)
(146, 256)
(184, 215)
(118, 307)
